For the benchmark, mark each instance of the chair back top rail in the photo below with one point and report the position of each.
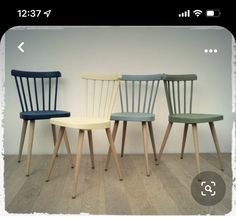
(149, 77)
(183, 77)
(32, 74)
(103, 77)
(138, 92)
(37, 91)
(179, 92)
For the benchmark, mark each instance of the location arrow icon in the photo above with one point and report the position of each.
(20, 47)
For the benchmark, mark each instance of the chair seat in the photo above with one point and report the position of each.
(37, 115)
(194, 118)
(81, 123)
(132, 116)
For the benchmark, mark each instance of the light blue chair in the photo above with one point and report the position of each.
(137, 97)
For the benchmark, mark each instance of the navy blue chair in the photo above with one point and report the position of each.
(38, 99)
(137, 97)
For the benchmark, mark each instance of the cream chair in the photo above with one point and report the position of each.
(100, 94)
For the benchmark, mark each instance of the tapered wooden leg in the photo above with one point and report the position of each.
(31, 138)
(22, 139)
(123, 138)
(90, 139)
(196, 146)
(215, 139)
(54, 134)
(184, 140)
(168, 129)
(77, 165)
(66, 141)
(152, 140)
(56, 148)
(145, 144)
(114, 131)
(113, 151)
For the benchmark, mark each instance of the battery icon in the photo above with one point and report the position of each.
(213, 13)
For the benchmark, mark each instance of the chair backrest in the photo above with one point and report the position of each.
(37, 90)
(179, 92)
(141, 97)
(100, 94)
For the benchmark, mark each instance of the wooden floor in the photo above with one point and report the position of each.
(165, 192)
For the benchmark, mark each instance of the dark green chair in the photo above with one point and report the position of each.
(180, 111)
(137, 98)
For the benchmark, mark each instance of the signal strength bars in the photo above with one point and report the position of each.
(185, 14)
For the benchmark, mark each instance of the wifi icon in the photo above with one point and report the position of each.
(197, 12)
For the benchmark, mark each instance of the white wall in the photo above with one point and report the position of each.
(129, 50)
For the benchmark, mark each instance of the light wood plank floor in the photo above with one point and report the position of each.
(165, 192)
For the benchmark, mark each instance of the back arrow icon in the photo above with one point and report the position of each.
(20, 47)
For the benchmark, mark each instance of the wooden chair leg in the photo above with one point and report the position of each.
(123, 138)
(31, 138)
(90, 139)
(66, 141)
(113, 151)
(56, 148)
(184, 140)
(22, 139)
(215, 139)
(168, 129)
(152, 140)
(196, 146)
(114, 131)
(77, 165)
(145, 144)
(54, 134)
